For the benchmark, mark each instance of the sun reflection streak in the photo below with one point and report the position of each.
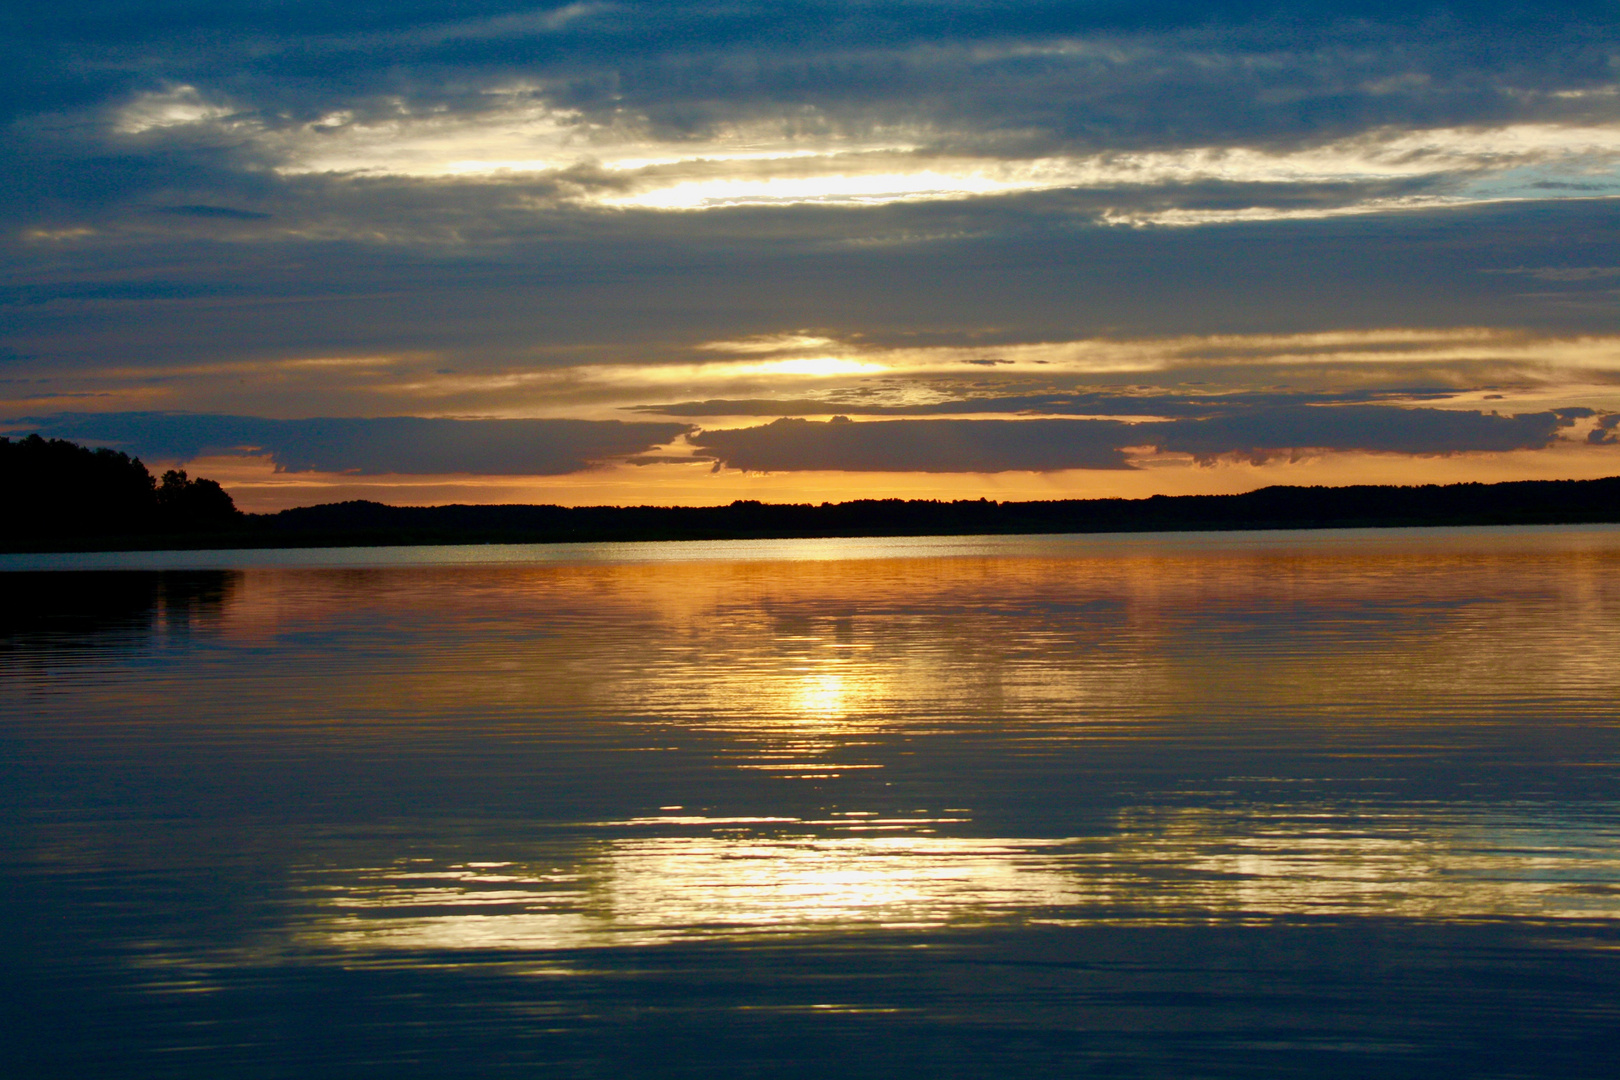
(1158, 867)
(820, 696)
(650, 890)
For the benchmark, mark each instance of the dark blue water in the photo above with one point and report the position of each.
(1330, 804)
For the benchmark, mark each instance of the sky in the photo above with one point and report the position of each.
(683, 253)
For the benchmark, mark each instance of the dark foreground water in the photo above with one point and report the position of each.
(1324, 805)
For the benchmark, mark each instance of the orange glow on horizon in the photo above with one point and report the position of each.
(258, 488)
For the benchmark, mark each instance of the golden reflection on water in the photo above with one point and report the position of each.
(820, 695)
(791, 646)
(649, 890)
(1157, 867)
(992, 669)
(1422, 866)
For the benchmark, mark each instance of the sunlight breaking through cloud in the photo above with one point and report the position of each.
(520, 134)
(739, 214)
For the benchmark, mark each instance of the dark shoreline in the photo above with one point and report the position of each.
(368, 524)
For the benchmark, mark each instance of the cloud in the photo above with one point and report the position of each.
(880, 208)
(1049, 445)
(1603, 432)
(690, 105)
(641, 286)
(199, 210)
(920, 445)
(1562, 273)
(1073, 403)
(1375, 428)
(398, 444)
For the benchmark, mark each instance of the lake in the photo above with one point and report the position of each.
(1325, 804)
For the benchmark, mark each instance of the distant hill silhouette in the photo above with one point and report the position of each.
(71, 498)
(59, 491)
(1532, 502)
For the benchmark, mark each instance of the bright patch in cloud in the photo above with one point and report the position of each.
(807, 367)
(520, 134)
(816, 366)
(770, 343)
(1518, 161)
(181, 106)
(961, 180)
(1330, 349)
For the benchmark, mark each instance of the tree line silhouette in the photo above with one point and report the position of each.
(69, 497)
(61, 490)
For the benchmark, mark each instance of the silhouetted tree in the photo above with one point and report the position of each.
(55, 488)
(60, 488)
(184, 503)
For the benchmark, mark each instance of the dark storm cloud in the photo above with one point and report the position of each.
(1045, 445)
(396, 444)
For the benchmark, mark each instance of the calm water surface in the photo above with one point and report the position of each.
(1266, 804)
